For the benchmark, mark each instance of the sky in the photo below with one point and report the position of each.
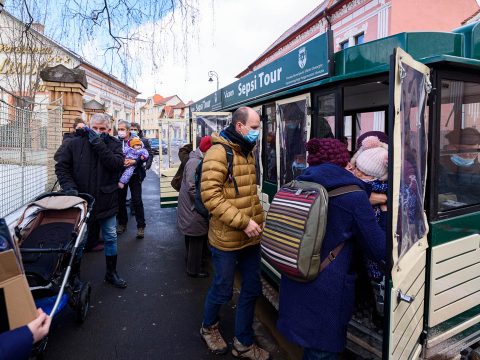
(227, 40)
(226, 36)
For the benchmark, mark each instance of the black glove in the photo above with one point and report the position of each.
(71, 192)
(93, 137)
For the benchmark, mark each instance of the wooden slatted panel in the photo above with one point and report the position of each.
(167, 192)
(455, 278)
(413, 344)
(407, 319)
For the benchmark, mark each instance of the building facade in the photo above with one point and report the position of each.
(24, 53)
(157, 108)
(354, 22)
(357, 21)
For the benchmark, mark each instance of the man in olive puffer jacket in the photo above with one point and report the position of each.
(234, 232)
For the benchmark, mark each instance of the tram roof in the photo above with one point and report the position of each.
(460, 47)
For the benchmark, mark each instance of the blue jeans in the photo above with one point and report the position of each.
(221, 290)
(314, 354)
(108, 227)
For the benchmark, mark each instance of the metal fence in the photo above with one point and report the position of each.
(30, 133)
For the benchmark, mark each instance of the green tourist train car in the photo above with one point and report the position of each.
(423, 90)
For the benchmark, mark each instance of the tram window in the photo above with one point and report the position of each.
(270, 173)
(257, 150)
(206, 125)
(293, 139)
(323, 124)
(459, 165)
(178, 138)
(364, 122)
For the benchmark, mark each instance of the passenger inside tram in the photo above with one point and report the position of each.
(294, 140)
(459, 180)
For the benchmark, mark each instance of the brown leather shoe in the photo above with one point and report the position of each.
(121, 229)
(253, 352)
(214, 340)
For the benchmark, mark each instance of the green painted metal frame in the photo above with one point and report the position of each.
(444, 231)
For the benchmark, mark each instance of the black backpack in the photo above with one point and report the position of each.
(199, 206)
(183, 154)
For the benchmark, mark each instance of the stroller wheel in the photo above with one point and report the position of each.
(83, 304)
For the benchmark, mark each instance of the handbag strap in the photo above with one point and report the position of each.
(332, 255)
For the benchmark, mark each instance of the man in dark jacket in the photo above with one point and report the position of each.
(125, 133)
(78, 127)
(92, 164)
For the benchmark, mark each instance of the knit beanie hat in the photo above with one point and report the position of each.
(372, 158)
(322, 151)
(134, 141)
(205, 143)
(379, 134)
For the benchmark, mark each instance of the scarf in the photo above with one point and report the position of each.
(231, 134)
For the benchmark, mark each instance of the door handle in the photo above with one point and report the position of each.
(404, 297)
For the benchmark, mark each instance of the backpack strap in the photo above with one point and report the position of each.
(332, 255)
(230, 177)
(344, 190)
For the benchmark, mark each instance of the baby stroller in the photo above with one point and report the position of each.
(49, 233)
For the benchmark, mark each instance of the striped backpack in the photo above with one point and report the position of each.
(295, 226)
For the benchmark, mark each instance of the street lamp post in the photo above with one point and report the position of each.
(211, 74)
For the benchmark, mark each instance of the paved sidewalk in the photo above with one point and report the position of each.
(158, 316)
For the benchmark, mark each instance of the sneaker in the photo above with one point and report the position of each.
(253, 352)
(140, 233)
(121, 229)
(214, 340)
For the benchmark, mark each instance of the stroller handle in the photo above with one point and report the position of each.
(87, 197)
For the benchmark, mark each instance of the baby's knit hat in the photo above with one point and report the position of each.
(134, 141)
(372, 158)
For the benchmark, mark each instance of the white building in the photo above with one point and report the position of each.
(24, 53)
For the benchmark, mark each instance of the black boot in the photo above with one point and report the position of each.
(111, 276)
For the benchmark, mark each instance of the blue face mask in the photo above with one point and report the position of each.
(462, 162)
(252, 136)
(133, 133)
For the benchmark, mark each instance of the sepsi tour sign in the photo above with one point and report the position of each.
(308, 62)
(212, 102)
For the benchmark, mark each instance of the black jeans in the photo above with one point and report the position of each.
(135, 185)
(196, 252)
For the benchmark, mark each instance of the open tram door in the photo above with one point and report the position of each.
(408, 227)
